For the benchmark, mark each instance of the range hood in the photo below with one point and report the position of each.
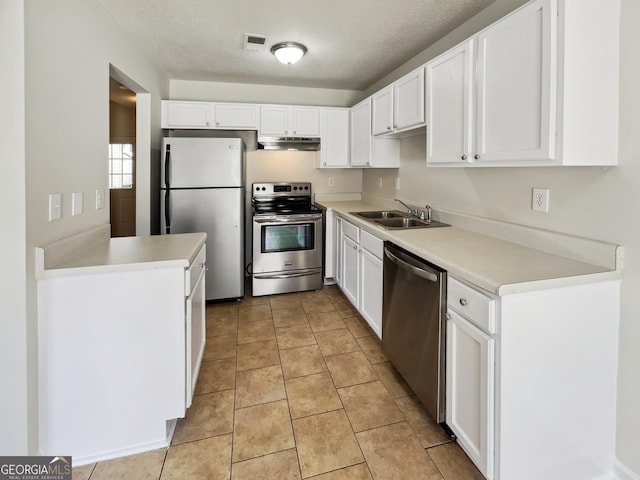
(307, 144)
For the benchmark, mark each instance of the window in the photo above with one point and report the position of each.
(120, 165)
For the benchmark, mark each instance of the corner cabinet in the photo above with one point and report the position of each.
(523, 92)
(367, 150)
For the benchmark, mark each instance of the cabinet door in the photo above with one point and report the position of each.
(187, 115)
(350, 281)
(371, 290)
(236, 115)
(382, 108)
(516, 70)
(449, 105)
(470, 390)
(361, 133)
(195, 335)
(408, 100)
(334, 131)
(274, 120)
(337, 261)
(304, 121)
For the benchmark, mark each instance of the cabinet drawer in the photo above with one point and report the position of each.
(351, 231)
(471, 304)
(193, 272)
(371, 243)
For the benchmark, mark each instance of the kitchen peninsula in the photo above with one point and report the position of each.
(121, 336)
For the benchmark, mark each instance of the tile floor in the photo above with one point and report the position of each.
(296, 386)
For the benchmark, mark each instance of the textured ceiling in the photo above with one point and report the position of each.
(351, 43)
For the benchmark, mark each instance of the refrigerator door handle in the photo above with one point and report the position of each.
(167, 164)
(167, 214)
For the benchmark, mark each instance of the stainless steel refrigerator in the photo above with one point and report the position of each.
(202, 190)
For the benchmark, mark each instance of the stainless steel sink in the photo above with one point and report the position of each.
(397, 220)
(380, 214)
(408, 222)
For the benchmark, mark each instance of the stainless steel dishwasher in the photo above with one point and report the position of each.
(413, 325)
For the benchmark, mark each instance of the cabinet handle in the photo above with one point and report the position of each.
(217, 123)
(389, 128)
(447, 316)
(463, 157)
(395, 126)
(476, 156)
(355, 247)
(294, 132)
(463, 302)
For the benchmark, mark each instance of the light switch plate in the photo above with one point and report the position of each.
(55, 206)
(99, 199)
(76, 203)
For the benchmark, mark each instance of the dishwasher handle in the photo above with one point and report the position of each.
(425, 272)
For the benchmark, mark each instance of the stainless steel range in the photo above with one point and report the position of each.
(287, 239)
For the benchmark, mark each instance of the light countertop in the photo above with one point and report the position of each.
(497, 266)
(122, 254)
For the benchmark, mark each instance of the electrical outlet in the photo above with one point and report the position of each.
(331, 181)
(540, 200)
(397, 183)
(379, 182)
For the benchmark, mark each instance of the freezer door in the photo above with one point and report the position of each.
(219, 213)
(202, 162)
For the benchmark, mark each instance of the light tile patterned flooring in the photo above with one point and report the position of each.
(296, 386)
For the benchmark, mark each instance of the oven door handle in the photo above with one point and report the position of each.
(287, 219)
(284, 275)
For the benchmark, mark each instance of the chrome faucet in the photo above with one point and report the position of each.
(412, 211)
(426, 216)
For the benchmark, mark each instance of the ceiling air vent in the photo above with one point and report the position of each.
(254, 42)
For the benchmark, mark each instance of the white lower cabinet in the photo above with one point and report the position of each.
(119, 355)
(361, 273)
(470, 386)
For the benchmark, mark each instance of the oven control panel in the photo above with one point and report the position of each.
(301, 188)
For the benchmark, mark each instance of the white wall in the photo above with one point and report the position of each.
(68, 46)
(255, 93)
(14, 395)
(599, 203)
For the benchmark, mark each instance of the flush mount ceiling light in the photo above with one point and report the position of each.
(289, 52)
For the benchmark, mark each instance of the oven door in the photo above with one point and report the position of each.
(287, 242)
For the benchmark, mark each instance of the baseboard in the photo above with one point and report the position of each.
(79, 461)
(622, 472)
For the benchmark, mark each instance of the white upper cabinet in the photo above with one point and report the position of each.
(449, 87)
(334, 132)
(209, 115)
(399, 106)
(187, 114)
(514, 79)
(535, 88)
(382, 111)
(284, 120)
(242, 116)
(367, 150)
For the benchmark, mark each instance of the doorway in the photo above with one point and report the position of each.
(122, 159)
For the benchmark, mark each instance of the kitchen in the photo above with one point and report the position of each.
(597, 202)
